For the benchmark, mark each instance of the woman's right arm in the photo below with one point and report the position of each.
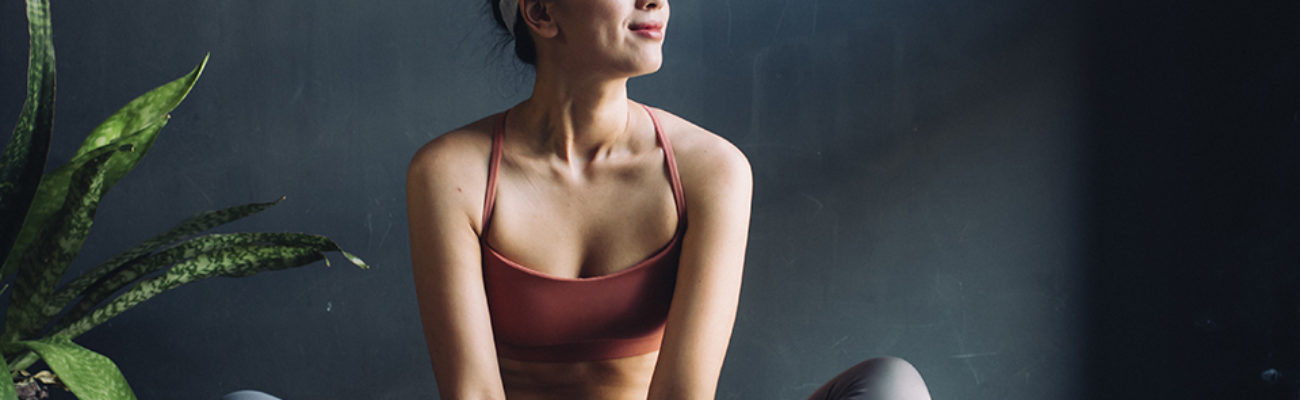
(442, 198)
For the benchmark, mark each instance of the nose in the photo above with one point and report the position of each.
(651, 4)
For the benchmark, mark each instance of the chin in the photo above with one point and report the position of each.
(627, 66)
(649, 69)
(647, 66)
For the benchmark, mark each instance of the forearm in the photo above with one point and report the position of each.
(683, 389)
(698, 333)
(689, 364)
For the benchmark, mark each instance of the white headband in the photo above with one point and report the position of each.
(509, 9)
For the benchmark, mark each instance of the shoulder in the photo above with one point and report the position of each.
(463, 147)
(709, 165)
(450, 171)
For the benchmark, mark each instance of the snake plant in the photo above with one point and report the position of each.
(45, 218)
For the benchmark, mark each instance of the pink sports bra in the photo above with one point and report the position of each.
(539, 317)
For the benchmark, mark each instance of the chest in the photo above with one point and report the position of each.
(592, 227)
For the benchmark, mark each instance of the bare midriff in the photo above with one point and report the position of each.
(616, 379)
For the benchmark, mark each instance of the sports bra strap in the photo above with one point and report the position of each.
(494, 163)
(676, 179)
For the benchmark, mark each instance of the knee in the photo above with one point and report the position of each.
(248, 395)
(890, 378)
(888, 366)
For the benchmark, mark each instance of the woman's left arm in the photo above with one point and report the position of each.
(719, 186)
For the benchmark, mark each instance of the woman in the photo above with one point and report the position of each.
(581, 245)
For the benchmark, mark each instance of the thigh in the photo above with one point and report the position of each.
(883, 378)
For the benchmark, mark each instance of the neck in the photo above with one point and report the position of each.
(576, 118)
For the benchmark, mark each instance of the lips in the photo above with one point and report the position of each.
(651, 25)
(648, 29)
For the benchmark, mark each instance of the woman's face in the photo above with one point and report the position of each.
(623, 37)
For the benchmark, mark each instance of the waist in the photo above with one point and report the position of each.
(615, 379)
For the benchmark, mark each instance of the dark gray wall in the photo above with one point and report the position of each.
(945, 181)
(1194, 201)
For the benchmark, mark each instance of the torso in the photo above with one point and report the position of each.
(616, 213)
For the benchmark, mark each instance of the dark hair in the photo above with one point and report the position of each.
(524, 47)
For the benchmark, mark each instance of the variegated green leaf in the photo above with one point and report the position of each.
(89, 375)
(25, 155)
(60, 241)
(24, 360)
(7, 391)
(198, 223)
(148, 109)
(233, 262)
(137, 124)
(50, 196)
(187, 250)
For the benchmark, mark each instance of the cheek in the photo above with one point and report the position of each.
(606, 36)
(595, 30)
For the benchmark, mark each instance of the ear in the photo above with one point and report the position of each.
(536, 14)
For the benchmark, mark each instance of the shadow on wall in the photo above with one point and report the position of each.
(1194, 222)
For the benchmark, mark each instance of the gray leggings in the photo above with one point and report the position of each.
(248, 395)
(884, 378)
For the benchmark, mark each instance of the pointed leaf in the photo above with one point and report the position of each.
(60, 241)
(25, 359)
(7, 390)
(137, 124)
(89, 375)
(234, 262)
(148, 109)
(29, 146)
(198, 223)
(189, 249)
